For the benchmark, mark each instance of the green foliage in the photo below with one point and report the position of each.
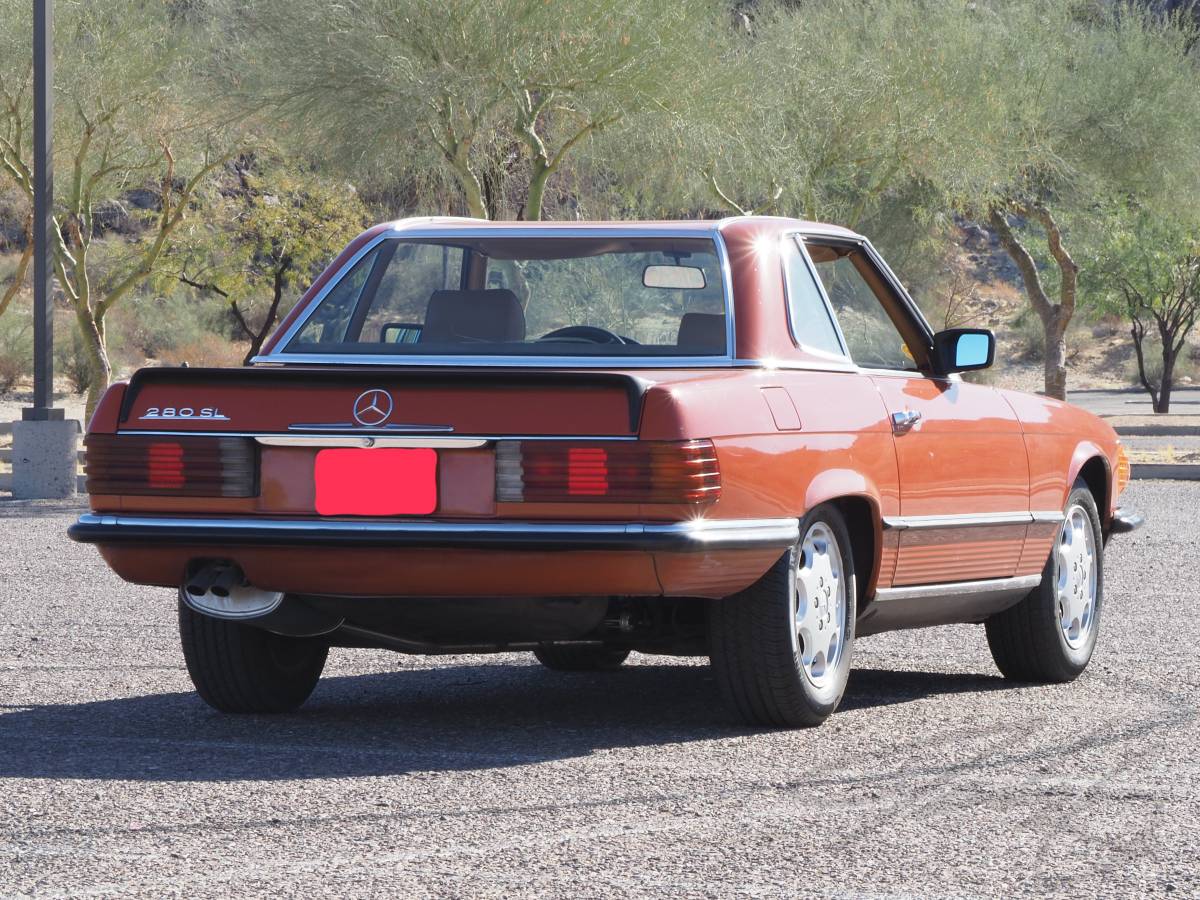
(492, 97)
(1148, 268)
(16, 345)
(70, 361)
(265, 241)
(126, 118)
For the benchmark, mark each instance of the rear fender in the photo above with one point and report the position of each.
(108, 411)
(835, 485)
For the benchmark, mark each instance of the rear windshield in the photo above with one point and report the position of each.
(525, 296)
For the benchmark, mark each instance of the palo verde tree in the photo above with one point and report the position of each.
(837, 104)
(496, 98)
(121, 122)
(1147, 267)
(1091, 106)
(265, 240)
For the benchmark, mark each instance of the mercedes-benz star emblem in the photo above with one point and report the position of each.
(373, 407)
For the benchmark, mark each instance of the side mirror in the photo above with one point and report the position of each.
(963, 350)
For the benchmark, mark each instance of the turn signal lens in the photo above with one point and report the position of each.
(607, 472)
(1122, 468)
(170, 466)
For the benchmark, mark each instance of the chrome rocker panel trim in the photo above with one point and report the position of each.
(697, 536)
(989, 586)
(903, 523)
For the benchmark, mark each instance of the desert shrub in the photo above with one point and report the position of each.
(16, 345)
(207, 349)
(1029, 338)
(12, 369)
(156, 326)
(70, 361)
(1185, 365)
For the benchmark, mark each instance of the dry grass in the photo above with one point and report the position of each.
(208, 350)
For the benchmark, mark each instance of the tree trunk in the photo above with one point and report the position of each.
(1163, 404)
(1055, 316)
(1055, 359)
(97, 360)
(257, 338)
(535, 199)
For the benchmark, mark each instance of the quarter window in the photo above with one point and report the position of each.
(811, 326)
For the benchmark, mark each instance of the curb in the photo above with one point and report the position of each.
(1158, 430)
(1172, 471)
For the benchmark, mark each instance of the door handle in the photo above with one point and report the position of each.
(904, 421)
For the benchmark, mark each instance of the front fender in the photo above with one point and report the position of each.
(1085, 451)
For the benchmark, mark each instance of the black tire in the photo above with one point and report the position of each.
(757, 655)
(237, 668)
(580, 658)
(1028, 641)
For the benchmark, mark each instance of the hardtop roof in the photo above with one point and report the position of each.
(450, 224)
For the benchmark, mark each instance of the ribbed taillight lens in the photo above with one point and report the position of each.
(171, 466)
(607, 472)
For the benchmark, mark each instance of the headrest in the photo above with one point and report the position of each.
(491, 315)
(702, 332)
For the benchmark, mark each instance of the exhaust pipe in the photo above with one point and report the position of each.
(219, 589)
(201, 580)
(227, 579)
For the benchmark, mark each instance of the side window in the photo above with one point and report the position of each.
(811, 326)
(328, 323)
(412, 276)
(871, 336)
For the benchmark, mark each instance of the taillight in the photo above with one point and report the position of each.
(1122, 468)
(607, 472)
(171, 466)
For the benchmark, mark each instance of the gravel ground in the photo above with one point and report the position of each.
(489, 776)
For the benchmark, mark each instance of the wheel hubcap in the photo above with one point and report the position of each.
(1076, 582)
(819, 600)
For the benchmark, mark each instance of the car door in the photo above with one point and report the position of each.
(963, 467)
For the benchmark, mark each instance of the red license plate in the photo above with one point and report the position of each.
(382, 482)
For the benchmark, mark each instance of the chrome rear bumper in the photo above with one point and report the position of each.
(698, 535)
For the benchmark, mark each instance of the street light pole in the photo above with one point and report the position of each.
(43, 214)
(44, 443)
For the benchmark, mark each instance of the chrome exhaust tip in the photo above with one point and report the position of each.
(220, 590)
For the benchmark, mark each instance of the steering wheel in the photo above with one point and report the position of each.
(589, 334)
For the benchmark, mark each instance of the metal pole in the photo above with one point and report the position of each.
(43, 221)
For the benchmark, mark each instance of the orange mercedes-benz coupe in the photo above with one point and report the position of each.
(735, 439)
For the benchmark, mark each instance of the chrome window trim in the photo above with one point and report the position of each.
(904, 523)
(958, 588)
(421, 231)
(797, 240)
(512, 362)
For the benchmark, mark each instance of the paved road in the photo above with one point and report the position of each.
(1130, 402)
(489, 776)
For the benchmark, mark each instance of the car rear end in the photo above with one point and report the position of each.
(523, 485)
(460, 422)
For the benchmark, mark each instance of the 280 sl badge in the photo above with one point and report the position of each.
(207, 413)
